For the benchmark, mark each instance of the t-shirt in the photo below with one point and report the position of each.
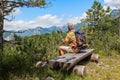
(71, 39)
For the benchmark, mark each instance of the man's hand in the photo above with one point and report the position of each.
(63, 41)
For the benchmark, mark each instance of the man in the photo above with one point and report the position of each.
(70, 40)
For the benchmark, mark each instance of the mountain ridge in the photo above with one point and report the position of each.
(39, 30)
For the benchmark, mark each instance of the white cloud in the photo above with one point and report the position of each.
(112, 3)
(83, 15)
(48, 20)
(43, 21)
(76, 19)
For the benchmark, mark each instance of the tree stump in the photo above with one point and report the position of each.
(95, 58)
(38, 64)
(41, 64)
(79, 70)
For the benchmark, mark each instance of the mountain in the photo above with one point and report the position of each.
(8, 36)
(35, 31)
(29, 32)
(115, 13)
(40, 30)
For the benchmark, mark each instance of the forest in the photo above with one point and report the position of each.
(102, 32)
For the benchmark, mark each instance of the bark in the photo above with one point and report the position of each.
(119, 27)
(1, 27)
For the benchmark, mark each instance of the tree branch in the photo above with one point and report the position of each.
(7, 19)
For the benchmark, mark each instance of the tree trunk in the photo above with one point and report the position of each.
(1, 27)
(119, 27)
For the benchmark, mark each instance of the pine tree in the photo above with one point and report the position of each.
(97, 15)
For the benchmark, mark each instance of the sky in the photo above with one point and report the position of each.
(59, 13)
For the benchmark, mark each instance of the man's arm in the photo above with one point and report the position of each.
(64, 41)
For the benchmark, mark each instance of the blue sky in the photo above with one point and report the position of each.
(59, 13)
(59, 8)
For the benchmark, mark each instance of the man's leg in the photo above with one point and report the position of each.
(62, 49)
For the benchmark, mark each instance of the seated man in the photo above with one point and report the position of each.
(70, 40)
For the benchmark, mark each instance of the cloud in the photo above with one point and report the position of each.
(48, 20)
(83, 15)
(112, 3)
(43, 21)
(76, 19)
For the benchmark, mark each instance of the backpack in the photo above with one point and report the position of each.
(80, 38)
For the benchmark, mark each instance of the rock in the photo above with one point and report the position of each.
(80, 70)
(49, 78)
(95, 58)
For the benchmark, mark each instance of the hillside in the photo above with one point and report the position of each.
(18, 61)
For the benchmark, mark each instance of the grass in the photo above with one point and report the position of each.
(108, 68)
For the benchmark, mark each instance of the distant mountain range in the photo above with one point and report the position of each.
(39, 30)
(35, 31)
(115, 13)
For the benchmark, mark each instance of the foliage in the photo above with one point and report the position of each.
(9, 5)
(102, 29)
(97, 16)
(21, 58)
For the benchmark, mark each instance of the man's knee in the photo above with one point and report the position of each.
(60, 48)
